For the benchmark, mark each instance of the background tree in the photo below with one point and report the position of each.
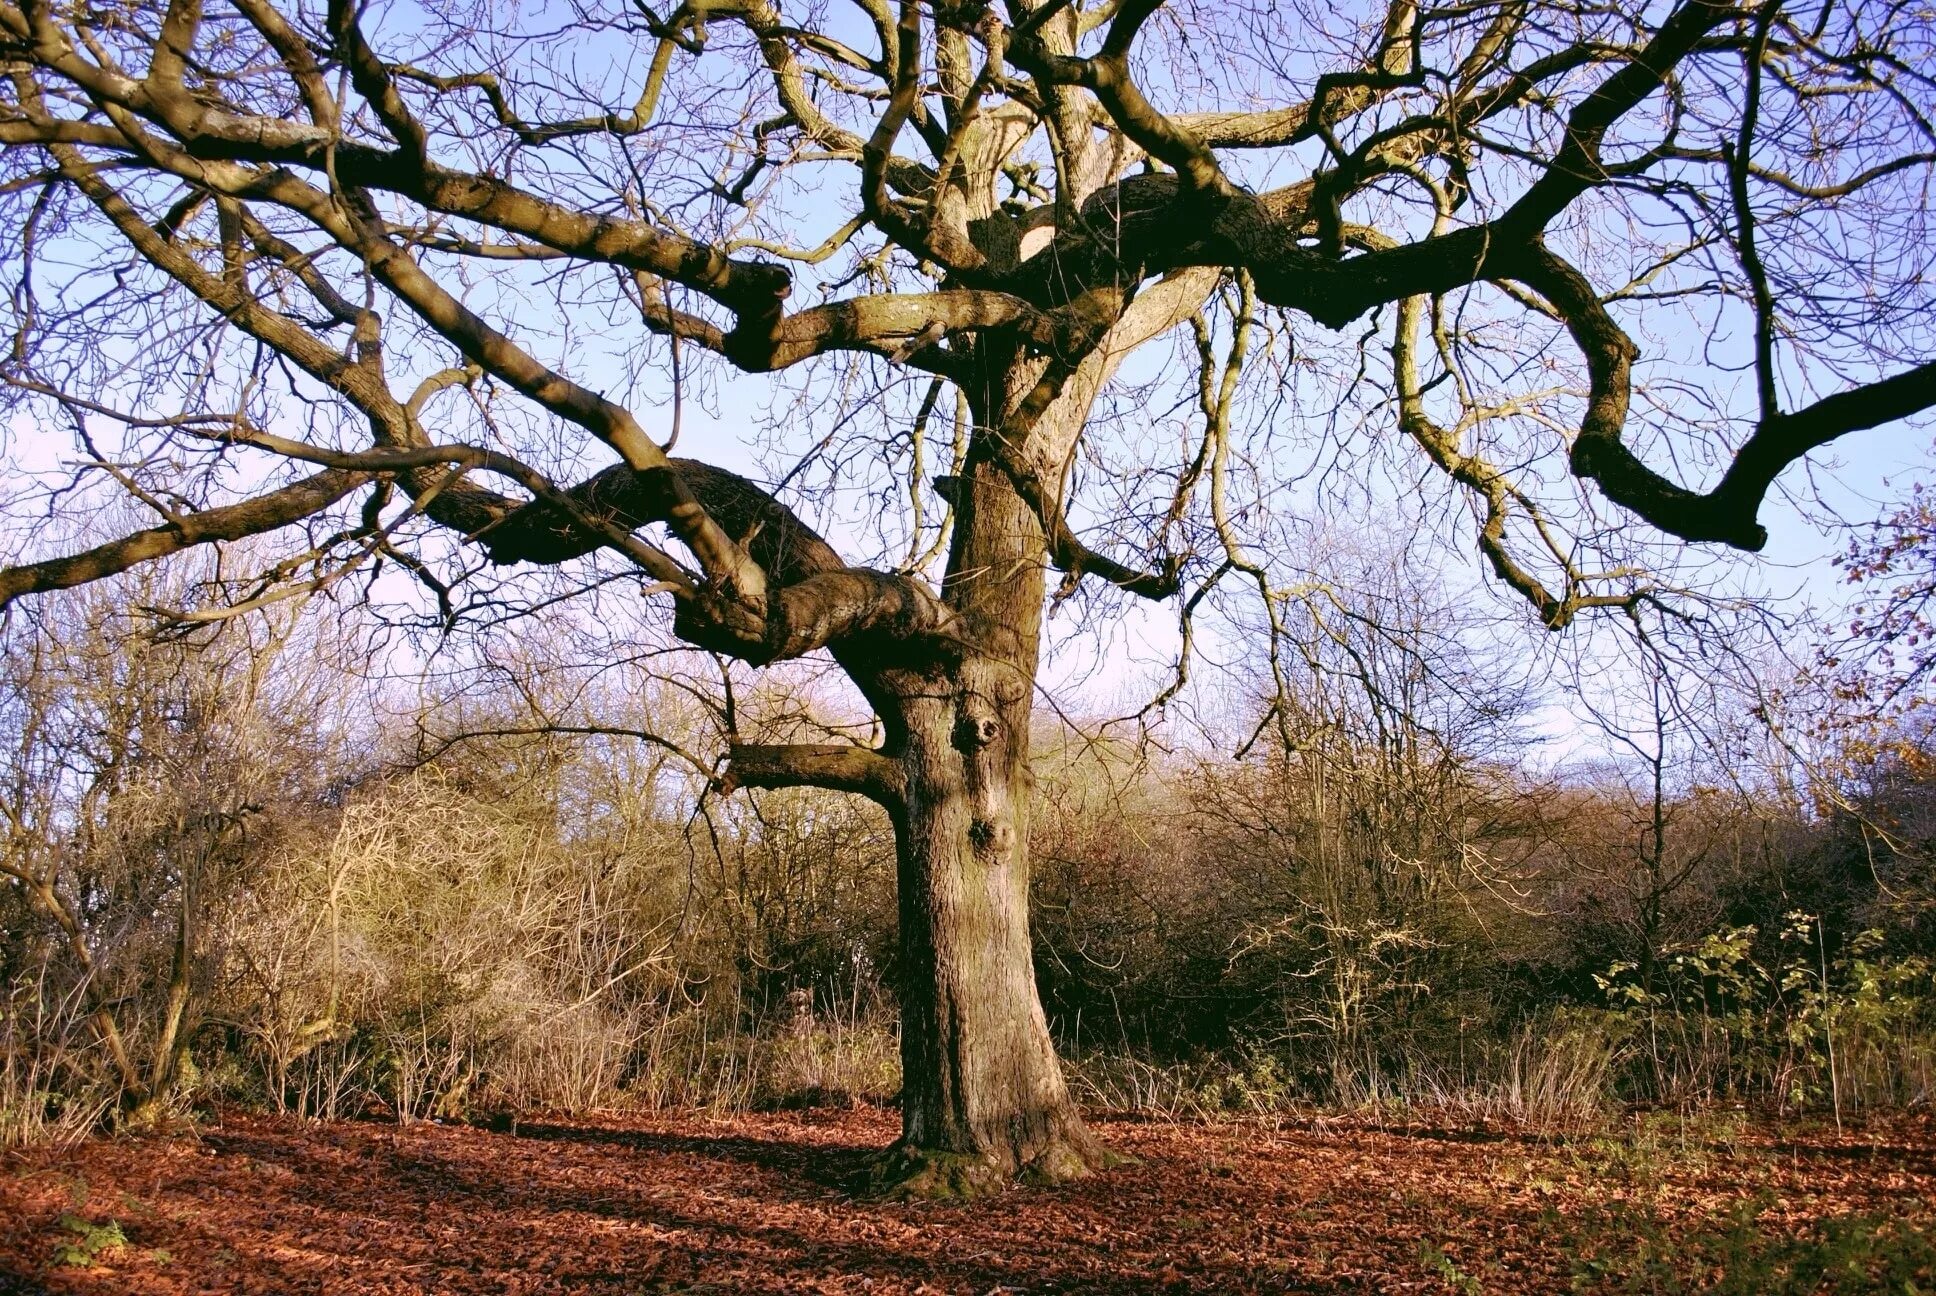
(139, 774)
(1883, 667)
(253, 240)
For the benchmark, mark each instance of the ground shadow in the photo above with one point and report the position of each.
(847, 1168)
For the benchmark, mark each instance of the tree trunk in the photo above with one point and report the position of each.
(983, 1100)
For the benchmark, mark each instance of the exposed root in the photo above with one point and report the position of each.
(911, 1174)
(906, 1173)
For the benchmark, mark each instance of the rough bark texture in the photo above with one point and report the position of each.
(983, 1099)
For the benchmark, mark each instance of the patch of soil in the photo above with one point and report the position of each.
(764, 1203)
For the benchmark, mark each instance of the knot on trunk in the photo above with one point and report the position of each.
(976, 726)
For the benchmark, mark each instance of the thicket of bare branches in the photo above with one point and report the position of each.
(458, 913)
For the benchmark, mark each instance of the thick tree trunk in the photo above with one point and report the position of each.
(983, 1096)
(983, 1100)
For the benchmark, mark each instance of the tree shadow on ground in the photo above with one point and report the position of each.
(620, 1206)
(630, 1210)
(846, 1167)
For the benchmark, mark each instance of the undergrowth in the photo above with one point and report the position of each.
(1746, 1249)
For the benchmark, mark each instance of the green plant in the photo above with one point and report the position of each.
(1738, 1252)
(88, 1241)
(1433, 1257)
(1747, 1013)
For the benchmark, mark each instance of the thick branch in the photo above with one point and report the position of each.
(269, 512)
(1728, 512)
(482, 343)
(1167, 225)
(838, 767)
(785, 547)
(814, 599)
(1107, 76)
(896, 617)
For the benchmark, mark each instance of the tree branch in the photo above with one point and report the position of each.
(835, 766)
(268, 512)
(1728, 512)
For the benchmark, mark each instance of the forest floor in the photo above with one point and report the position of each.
(695, 1204)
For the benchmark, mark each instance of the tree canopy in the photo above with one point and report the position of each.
(366, 202)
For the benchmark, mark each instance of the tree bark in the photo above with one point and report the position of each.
(983, 1098)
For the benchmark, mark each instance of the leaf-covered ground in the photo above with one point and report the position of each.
(763, 1204)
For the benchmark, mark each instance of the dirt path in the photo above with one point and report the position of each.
(760, 1204)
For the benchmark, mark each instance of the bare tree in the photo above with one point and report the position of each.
(252, 239)
(136, 775)
(1882, 667)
